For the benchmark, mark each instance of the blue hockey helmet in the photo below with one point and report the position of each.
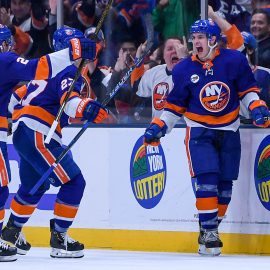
(208, 27)
(63, 35)
(5, 36)
(249, 40)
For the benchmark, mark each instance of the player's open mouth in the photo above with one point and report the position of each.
(199, 49)
(175, 60)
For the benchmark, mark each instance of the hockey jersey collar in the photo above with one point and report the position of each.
(206, 64)
(168, 72)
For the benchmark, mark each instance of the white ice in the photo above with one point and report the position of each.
(39, 259)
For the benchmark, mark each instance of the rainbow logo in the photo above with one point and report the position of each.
(147, 174)
(262, 172)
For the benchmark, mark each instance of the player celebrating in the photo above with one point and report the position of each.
(38, 105)
(14, 69)
(207, 89)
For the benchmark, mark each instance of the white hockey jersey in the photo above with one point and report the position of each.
(156, 83)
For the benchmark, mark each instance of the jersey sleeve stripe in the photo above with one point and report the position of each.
(235, 40)
(43, 70)
(72, 95)
(3, 122)
(57, 63)
(252, 89)
(20, 92)
(175, 108)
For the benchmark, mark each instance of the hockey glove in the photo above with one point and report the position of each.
(154, 132)
(94, 112)
(82, 48)
(260, 113)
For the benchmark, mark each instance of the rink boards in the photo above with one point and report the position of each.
(143, 199)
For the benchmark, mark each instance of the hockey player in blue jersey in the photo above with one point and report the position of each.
(14, 69)
(208, 87)
(37, 107)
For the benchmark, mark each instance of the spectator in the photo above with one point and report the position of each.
(156, 83)
(122, 100)
(261, 74)
(28, 24)
(260, 28)
(235, 14)
(83, 14)
(172, 18)
(261, 4)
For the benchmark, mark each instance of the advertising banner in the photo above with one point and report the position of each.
(133, 187)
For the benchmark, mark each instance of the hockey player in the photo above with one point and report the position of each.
(14, 69)
(156, 83)
(207, 89)
(38, 105)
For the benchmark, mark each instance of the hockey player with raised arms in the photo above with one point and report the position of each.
(208, 87)
(37, 107)
(14, 69)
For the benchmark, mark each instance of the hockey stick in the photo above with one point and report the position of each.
(77, 75)
(104, 103)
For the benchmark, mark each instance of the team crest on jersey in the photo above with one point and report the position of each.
(215, 96)
(160, 95)
(194, 78)
(68, 32)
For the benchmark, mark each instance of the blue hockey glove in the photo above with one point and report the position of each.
(94, 112)
(82, 48)
(154, 132)
(260, 113)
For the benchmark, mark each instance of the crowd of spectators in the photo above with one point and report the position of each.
(123, 36)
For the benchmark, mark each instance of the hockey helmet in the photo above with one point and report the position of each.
(249, 40)
(208, 27)
(63, 35)
(5, 36)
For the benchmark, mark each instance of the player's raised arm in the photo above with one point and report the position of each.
(47, 66)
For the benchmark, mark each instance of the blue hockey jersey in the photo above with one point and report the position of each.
(14, 69)
(208, 93)
(40, 100)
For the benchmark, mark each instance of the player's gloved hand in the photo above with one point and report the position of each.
(82, 48)
(94, 112)
(260, 113)
(154, 132)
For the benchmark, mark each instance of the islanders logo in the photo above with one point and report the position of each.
(160, 94)
(215, 96)
(68, 32)
(147, 174)
(262, 172)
